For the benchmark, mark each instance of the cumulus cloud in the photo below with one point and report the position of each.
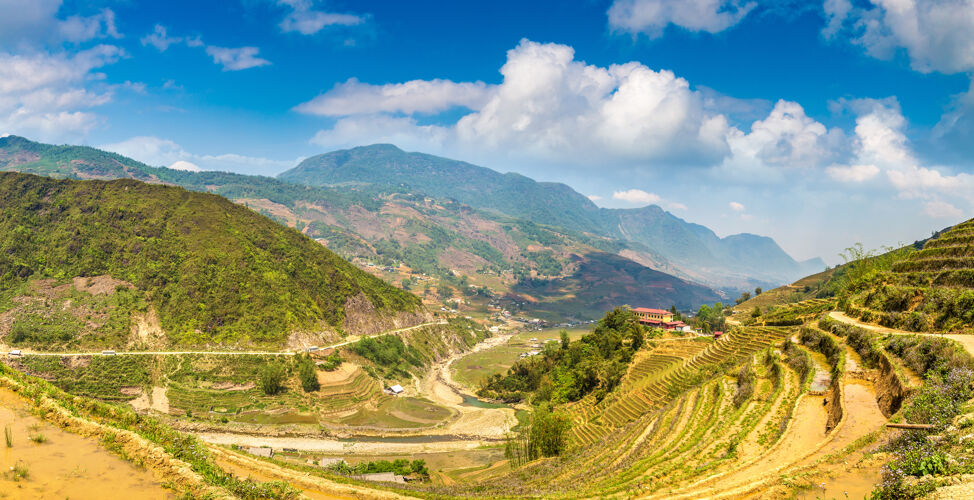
(44, 96)
(416, 96)
(236, 59)
(637, 196)
(549, 108)
(157, 151)
(651, 17)
(735, 206)
(304, 19)
(937, 35)
(594, 197)
(552, 106)
(788, 138)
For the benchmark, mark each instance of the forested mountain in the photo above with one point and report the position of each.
(449, 250)
(736, 261)
(211, 271)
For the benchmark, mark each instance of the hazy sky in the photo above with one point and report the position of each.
(817, 123)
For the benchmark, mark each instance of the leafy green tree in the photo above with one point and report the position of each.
(757, 291)
(271, 378)
(565, 340)
(307, 374)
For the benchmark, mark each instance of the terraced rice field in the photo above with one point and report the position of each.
(667, 371)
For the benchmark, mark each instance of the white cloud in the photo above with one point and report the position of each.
(551, 106)
(735, 206)
(236, 59)
(305, 20)
(43, 95)
(594, 197)
(416, 96)
(941, 209)
(674, 205)
(160, 39)
(652, 16)
(937, 35)
(788, 138)
(81, 29)
(156, 151)
(852, 173)
(637, 196)
(402, 131)
(185, 165)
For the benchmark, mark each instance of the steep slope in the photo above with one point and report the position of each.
(739, 261)
(211, 270)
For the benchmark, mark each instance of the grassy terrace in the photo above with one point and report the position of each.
(930, 290)
(650, 390)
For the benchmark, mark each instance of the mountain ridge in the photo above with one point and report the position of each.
(697, 250)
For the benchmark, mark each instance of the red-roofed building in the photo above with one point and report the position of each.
(653, 317)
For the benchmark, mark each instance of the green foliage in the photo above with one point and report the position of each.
(388, 354)
(798, 360)
(215, 271)
(307, 374)
(8, 436)
(399, 466)
(711, 319)
(332, 362)
(594, 363)
(545, 436)
(96, 376)
(271, 379)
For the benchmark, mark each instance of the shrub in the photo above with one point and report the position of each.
(745, 385)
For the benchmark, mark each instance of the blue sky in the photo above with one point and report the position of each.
(819, 123)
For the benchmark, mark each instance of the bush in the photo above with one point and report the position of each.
(745, 385)
(271, 379)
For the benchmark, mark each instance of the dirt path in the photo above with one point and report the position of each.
(966, 341)
(340, 447)
(351, 340)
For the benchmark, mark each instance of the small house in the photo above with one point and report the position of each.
(717, 334)
(395, 390)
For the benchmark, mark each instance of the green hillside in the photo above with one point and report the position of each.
(214, 271)
(694, 251)
(447, 249)
(927, 290)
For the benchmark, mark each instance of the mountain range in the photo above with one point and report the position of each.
(470, 229)
(694, 251)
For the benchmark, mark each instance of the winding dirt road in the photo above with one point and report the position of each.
(966, 341)
(350, 340)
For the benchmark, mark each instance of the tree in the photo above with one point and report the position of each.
(307, 374)
(756, 313)
(271, 378)
(565, 341)
(757, 291)
(746, 296)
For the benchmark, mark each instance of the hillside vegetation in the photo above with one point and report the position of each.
(694, 251)
(215, 272)
(925, 290)
(449, 250)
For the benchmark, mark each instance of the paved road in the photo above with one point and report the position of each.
(966, 341)
(351, 340)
